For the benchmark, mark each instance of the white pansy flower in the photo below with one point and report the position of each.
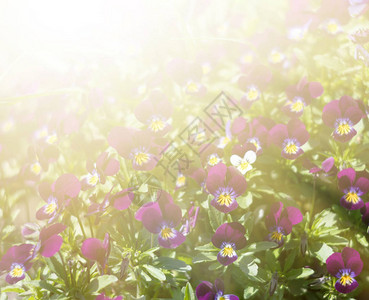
(244, 164)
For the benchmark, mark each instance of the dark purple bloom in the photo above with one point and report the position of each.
(57, 195)
(342, 115)
(280, 222)
(96, 250)
(16, 262)
(123, 199)
(328, 168)
(229, 237)
(155, 112)
(161, 217)
(49, 241)
(345, 266)
(103, 297)
(353, 187)
(300, 95)
(290, 138)
(136, 145)
(207, 291)
(226, 184)
(97, 172)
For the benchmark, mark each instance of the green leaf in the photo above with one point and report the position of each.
(100, 282)
(12, 289)
(215, 217)
(169, 263)
(155, 272)
(299, 273)
(189, 293)
(245, 201)
(48, 287)
(207, 247)
(202, 257)
(56, 267)
(248, 266)
(333, 240)
(249, 292)
(260, 246)
(290, 260)
(362, 239)
(321, 251)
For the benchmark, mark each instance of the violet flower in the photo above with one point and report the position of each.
(280, 222)
(57, 195)
(98, 251)
(353, 187)
(210, 155)
(207, 291)
(155, 112)
(16, 262)
(189, 220)
(226, 184)
(229, 237)
(290, 138)
(365, 214)
(345, 266)
(49, 241)
(97, 172)
(300, 95)
(136, 145)
(342, 115)
(161, 217)
(328, 168)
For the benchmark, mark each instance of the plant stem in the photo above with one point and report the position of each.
(82, 228)
(65, 272)
(313, 200)
(91, 228)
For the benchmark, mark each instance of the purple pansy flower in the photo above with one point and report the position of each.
(123, 199)
(207, 291)
(345, 266)
(49, 241)
(210, 155)
(16, 262)
(280, 222)
(155, 112)
(229, 237)
(96, 250)
(290, 138)
(136, 145)
(300, 95)
(354, 187)
(342, 115)
(103, 297)
(161, 217)
(226, 184)
(57, 195)
(328, 167)
(97, 172)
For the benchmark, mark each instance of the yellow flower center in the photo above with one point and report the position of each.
(276, 236)
(352, 197)
(50, 208)
(213, 160)
(225, 199)
(93, 180)
(141, 158)
(167, 233)
(290, 148)
(227, 251)
(343, 128)
(51, 139)
(17, 271)
(252, 94)
(181, 181)
(346, 279)
(36, 168)
(192, 87)
(247, 58)
(255, 143)
(297, 106)
(276, 57)
(244, 165)
(332, 27)
(157, 125)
